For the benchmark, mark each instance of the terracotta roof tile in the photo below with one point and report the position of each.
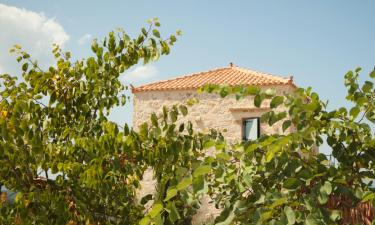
(231, 75)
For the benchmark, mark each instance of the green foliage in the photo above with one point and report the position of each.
(279, 179)
(56, 121)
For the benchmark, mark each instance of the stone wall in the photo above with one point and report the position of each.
(212, 111)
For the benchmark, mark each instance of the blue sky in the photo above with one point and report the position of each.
(315, 41)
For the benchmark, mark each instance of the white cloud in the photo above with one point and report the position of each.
(85, 38)
(140, 74)
(33, 31)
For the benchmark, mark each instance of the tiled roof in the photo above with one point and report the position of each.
(231, 75)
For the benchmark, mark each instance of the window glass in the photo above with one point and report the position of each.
(250, 129)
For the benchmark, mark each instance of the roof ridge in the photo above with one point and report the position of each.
(260, 73)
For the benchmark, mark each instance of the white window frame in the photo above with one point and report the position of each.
(243, 127)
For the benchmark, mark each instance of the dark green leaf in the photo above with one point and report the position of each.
(173, 212)
(276, 101)
(154, 120)
(25, 66)
(183, 110)
(198, 184)
(258, 100)
(291, 183)
(286, 125)
(372, 74)
(367, 87)
(173, 115)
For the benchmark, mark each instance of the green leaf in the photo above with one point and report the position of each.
(123, 100)
(144, 31)
(158, 220)
(181, 127)
(312, 219)
(154, 120)
(265, 216)
(171, 193)
(276, 101)
(261, 199)
(190, 128)
(266, 117)
(286, 125)
(335, 215)
(25, 66)
(223, 156)
(145, 220)
(354, 112)
(198, 184)
(19, 197)
(322, 198)
(183, 110)
(257, 100)
(220, 145)
(291, 183)
(252, 90)
(228, 219)
(202, 170)
(274, 118)
(184, 183)
(372, 74)
(208, 144)
(326, 188)
(156, 209)
(224, 92)
(165, 48)
(368, 196)
(290, 215)
(173, 212)
(269, 155)
(172, 38)
(367, 86)
(165, 112)
(173, 116)
(311, 106)
(278, 202)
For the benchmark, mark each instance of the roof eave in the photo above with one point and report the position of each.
(137, 90)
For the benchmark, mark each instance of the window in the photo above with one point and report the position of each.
(250, 129)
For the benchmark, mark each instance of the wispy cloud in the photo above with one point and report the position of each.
(84, 39)
(140, 74)
(33, 31)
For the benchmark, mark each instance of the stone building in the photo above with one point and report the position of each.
(237, 120)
